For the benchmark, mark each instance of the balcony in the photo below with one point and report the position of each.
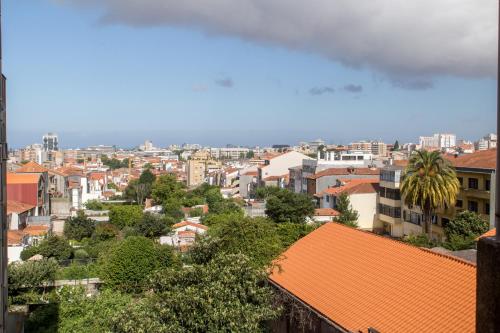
(475, 193)
(389, 219)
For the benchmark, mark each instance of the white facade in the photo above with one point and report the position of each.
(279, 165)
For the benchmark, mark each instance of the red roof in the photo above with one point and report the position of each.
(14, 237)
(360, 280)
(489, 233)
(345, 171)
(18, 207)
(36, 230)
(32, 167)
(326, 212)
(354, 186)
(22, 178)
(185, 223)
(483, 159)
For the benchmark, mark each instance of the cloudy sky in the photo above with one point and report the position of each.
(248, 71)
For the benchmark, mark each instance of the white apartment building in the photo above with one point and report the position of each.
(487, 142)
(438, 140)
(278, 166)
(229, 153)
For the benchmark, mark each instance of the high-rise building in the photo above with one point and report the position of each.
(50, 142)
(438, 140)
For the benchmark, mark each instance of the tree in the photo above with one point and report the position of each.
(429, 182)
(105, 231)
(462, 231)
(147, 177)
(257, 238)
(153, 225)
(250, 154)
(289, 233)
(94, 205)
(286, 206)
(79, 227)
(226, 295)
(264, 192)
(127, 215)
(80, 313)
(396, 146)
(53, 247)
(24, 276)
(218, 205)
(348, 216)
(128, 263)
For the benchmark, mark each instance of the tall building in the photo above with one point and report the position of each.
(50, 142)
(487, 142)
(376, 148)
(438, 140)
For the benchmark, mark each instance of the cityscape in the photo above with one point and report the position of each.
(249, 166)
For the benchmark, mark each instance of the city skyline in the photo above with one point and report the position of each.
(108, 77)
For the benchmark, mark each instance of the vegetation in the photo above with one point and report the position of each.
(95, 205)
(30, 275)
(140, 189)
(125, 216)
(289, 233)
(462, 231)
(53, 247)
(128, 263)
(79, 227)
(114, 163)
(286, 206)
(264, 192)
(226, 295)
(105, 231)
(348, 216)
(153, 225)
(430, 182)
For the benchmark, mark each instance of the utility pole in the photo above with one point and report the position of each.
(3, 194)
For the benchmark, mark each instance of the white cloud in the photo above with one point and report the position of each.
(419, 38)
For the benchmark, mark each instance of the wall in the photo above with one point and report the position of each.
(366, 205)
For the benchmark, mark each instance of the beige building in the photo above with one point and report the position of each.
(198, 167)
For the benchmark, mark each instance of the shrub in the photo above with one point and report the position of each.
(105, 231)
(52, 247)
(95, 205)
(125, 216)
(79, 227)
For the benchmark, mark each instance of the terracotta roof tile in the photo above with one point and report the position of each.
(32, 167)
(185, 223)
(326, 212)
(36, 230)
(22, 178)
(489, 233)
(483, 159)
(344, 171)
(14, 237)
(354, 186)
(18, 207)
(360, 280)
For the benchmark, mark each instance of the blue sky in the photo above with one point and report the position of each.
(118, 83)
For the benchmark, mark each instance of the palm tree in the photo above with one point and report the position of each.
(429, 182)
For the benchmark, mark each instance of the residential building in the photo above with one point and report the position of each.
(248, 182)
(29, 188)
(362, 194)
(18, 213)
(233, 153)
(347, 280)
(438, 141)
(322, 180)
(322, 215)
(390, 204)
(183, 235)
(275, 170)
(487, 142)
(199, 166)
(376, 148)
(50, 142)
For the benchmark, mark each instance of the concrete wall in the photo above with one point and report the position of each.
(366, 205)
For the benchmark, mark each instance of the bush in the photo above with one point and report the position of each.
(128, 263)
(289, 233)
(79, 227)
(466, 224)
(95, 205)
(105, 231)
(80, 254)
(30, 274)
(421, 240)
(52, 247)
(153, 225)
(286, 206)
(125, 216)
(77, 271)
(195, 212)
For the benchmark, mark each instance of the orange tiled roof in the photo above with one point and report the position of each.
(251, 173)
(14, 237)
(483, 159)
(187, 233)
(22, 178)
(14, 206)
(359, 280)
(354, 186)
(36, 230)
(489, 233)
(326, 212)
(344, 171)
(185, 223)
(32, 167)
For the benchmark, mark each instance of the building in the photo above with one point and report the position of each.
(183, 234)
(438, 140)
(487, 142)
(50, 142)
(376, 148)
(347, 280)
(232, 153)
(322, 180)
(362, 194)
(275, 170)
(199, 166)
(29, 188)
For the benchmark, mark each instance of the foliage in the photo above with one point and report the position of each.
(250, 154)
(289, 233)
(264, 192)
(348, 216)
(196, 212)
(153, 225)
(137, 191)
(129, 262)
(211, 220)
(147, 177)
(80, 254)
(122, 216)
(226, 295)
(95, 248)
(104, 231)
(79, 227)
(396, 146)
(30, 274)
(421, 240)
(77, 271)
(80, 313)
(52, 247)
(43, 319)
(114, 163)
(286, 206)
(218, 205)
(466, 224)
(95, 205)
(430, 182)
(167, 191)
(459, 242)
(257, 238)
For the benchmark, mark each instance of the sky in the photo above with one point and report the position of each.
(248, 72)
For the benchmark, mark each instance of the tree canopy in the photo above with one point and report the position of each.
(286, 206)
(79, 227)
(348, 215)
(125, 215)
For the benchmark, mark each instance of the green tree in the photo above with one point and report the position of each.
(129, 262)
(257, 238)
(286, 206)
(348, 216)
(169, 193)
(153, 225)
(105, 231)
(30, 275)
(421, 240)
(289, 233)
(250, 154)
(226, 295)
(53, 247)
(264, 192)
(94, 205)
(125, 216)
(78, 227)
(429, 182)
(462, 231)
(396, 146)
(80, 313)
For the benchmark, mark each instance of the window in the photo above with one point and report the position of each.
(487, 185)
(413, 217)
(461, 181)
(473, 206)
(327, 198)
(487, 208)
(473, 183)
(459, 204)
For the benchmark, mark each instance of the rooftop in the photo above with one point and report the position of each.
(22, 178)
(483, 159)
(360, 280)
(344, 172)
